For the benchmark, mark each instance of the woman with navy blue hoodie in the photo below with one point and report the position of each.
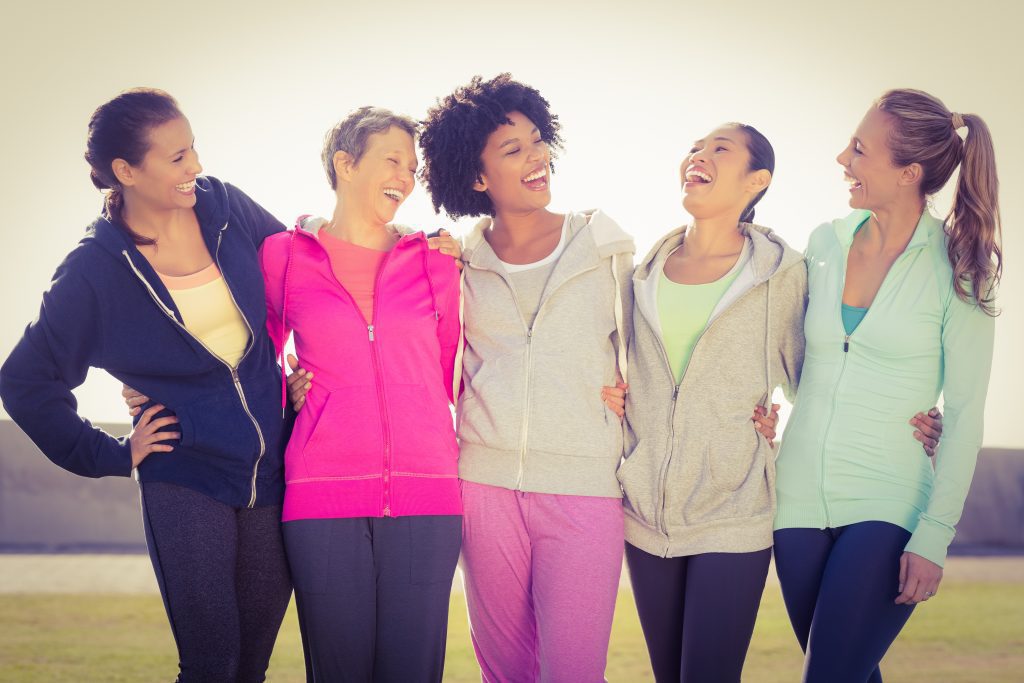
(165, 293)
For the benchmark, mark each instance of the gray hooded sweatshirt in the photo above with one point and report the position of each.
(531, 417)
(697, 477)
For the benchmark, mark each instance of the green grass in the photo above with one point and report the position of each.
(972, 632)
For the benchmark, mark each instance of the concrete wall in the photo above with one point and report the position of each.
(45, 509)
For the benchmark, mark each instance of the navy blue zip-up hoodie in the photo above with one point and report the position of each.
(107, 308)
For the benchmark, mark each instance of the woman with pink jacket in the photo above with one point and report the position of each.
(372, 511)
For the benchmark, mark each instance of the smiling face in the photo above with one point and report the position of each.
(166, 177)
(716, 176)
(516, 167)
(875, 182)
(382, 178)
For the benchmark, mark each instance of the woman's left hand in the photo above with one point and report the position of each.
(919, 579)
(929, 429)
(448, 245)
(765, 422)
(615, 398)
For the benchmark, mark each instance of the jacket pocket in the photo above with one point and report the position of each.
(347, 440)
(434, 545)
(567, 415)
(731, 459)
(218, 426)
(638, 475)
(491, 408)
(422, 430)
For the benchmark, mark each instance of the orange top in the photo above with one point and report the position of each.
(356, 269)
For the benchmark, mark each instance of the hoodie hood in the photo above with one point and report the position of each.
(608, 236)
(313, 224)
(765, 255)
(769, 253)
(212, 209)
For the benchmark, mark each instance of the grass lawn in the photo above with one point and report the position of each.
(972, 632)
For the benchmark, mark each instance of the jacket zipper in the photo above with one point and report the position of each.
(233, 370)
(525, 432)
(842, 371)
(663, 474)
(378, 375)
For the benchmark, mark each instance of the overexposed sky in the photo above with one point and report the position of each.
(633, 83)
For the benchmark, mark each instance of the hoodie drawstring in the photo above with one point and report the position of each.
(619, 322)
(284, 323)
(767, 339)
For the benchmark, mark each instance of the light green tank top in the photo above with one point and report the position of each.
(684, 311)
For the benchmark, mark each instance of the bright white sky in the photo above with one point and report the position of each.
(634, 83)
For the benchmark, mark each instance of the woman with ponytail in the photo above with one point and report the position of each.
(165, 293)
(901, 308)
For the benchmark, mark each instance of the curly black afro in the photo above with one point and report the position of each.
(456, 130)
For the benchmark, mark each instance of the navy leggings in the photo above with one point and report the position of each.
(224, 580)
(698, 612)
(840, 586)
(372, 595)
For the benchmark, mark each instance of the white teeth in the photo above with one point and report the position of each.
(394, 194)
(185, 187)
(692, 176)
(536, 175)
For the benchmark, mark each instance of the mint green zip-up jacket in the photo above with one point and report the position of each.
(848, 454)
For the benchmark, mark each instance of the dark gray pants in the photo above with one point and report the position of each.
(223, 578)
(698, 612)
(372, 595)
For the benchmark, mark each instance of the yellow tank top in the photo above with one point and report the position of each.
(209, 312)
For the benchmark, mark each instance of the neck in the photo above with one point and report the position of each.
(713, 236)
(891, 227)
(352, 225)
(153, 223)
(518, 227)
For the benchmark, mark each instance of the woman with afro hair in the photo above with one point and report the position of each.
(546, 305)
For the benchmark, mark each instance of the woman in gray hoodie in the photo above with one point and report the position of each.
(547, 300)
(717, 327)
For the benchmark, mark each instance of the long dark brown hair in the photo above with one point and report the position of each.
(119, 129)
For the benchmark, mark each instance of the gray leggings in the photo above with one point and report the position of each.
(372, 595)
(224, 580)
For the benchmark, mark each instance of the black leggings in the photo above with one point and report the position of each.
(224, 580)
(715, 595)
(840, 586)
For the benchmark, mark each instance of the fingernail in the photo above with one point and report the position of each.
(309, 385)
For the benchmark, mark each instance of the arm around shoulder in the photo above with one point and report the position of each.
(259, 222)
(789, 308)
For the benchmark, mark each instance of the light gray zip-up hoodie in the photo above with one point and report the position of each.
(531, 417)
(697, 477)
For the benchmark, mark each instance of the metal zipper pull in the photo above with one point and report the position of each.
(369, 329)
(529, 335)
(846, 344)
(675, 393)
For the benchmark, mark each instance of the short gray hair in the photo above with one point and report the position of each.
(352, 132)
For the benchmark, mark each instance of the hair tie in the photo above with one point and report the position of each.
(958, 121)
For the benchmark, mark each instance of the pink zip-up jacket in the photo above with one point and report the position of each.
(375, 437)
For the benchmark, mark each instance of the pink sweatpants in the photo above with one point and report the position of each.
(541, 575)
